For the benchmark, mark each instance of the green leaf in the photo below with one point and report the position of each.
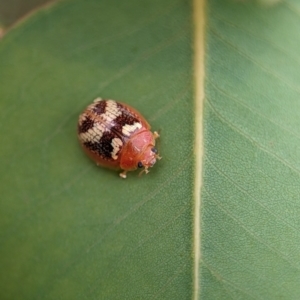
(250, 197)
(71, 230)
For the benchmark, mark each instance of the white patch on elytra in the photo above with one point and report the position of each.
(94, 134)
(97, 100)
(111, 111)
(82, 117)
(129, 129)
(117, 144)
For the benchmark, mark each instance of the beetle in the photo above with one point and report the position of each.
(117, 136)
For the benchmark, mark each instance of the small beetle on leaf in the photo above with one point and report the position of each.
(117, 136)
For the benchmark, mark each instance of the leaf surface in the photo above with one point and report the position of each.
(71, 230)
(250, 197)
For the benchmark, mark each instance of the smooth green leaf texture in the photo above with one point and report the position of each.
(70, 230)
(251, 187)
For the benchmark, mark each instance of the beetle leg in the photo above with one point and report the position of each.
(156, 135)
(144, 170)
(123, 174)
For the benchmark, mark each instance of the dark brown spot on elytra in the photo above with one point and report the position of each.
(104, 147)
(126, 118)
(99, 107)
(86, 124)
